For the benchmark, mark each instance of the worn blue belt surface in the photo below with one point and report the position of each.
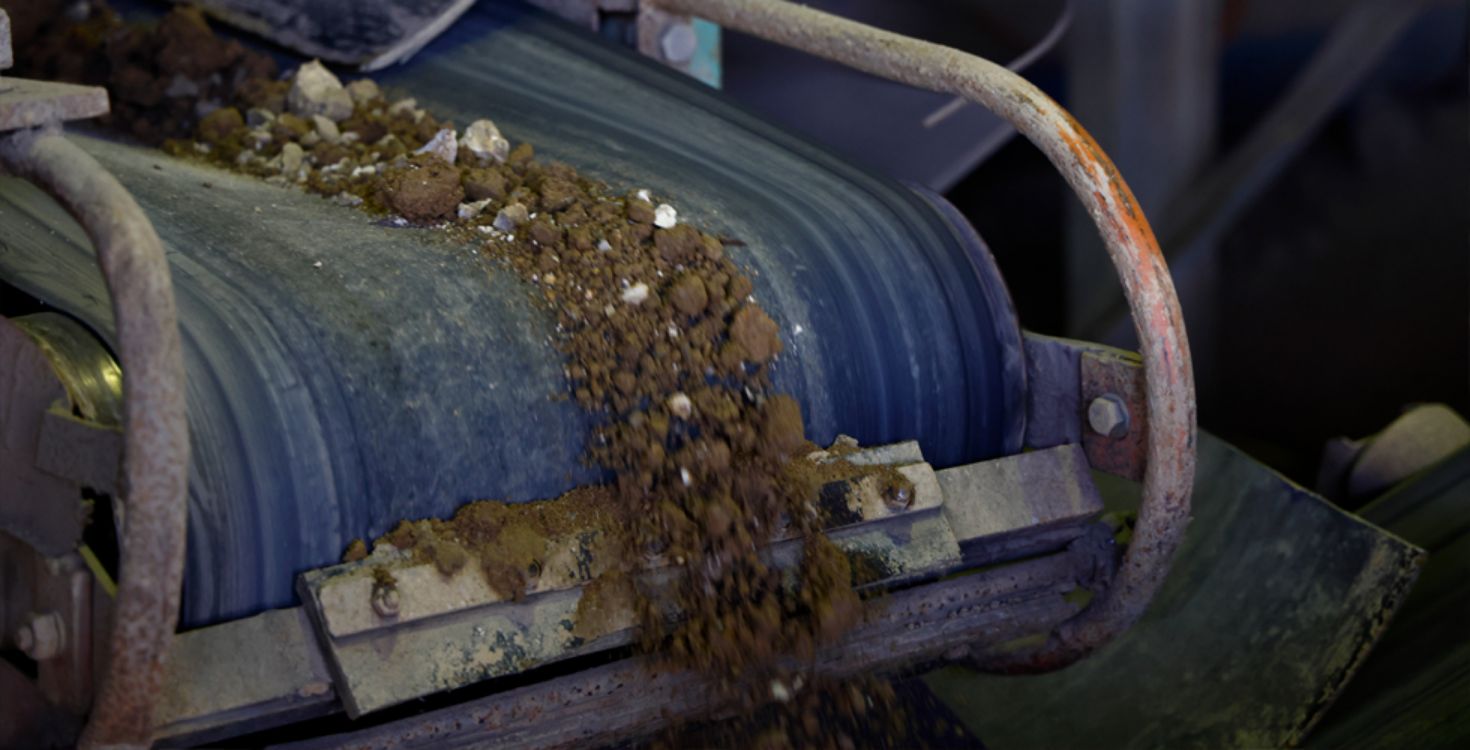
(344, 375)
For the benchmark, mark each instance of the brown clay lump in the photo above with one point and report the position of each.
(426, 188)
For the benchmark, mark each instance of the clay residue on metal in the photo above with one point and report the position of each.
(512, 543)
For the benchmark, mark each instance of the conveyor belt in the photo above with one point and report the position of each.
(401, 378)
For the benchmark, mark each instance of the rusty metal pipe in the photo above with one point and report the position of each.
(155, 433)
(1130, 241)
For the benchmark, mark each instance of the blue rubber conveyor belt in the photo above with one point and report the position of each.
(345, 374)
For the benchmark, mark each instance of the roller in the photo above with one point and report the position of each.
(344, 374)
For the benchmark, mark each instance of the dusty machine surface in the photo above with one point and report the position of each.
(531, 395)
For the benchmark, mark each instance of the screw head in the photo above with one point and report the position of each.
(385, 601)
(1107, 415)
(679, 42)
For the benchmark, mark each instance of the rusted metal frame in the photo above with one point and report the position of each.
(1158, 320)
(635, 697)
(155, 433)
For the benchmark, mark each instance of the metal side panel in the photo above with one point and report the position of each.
(1275, 599)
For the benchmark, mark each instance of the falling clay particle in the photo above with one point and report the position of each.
(756, 333)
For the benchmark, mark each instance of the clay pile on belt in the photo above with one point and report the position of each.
(665, 343)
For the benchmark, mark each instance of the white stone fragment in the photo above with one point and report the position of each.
(444, 144)
(779, 691)
(685, 476)
(680, 405)
(403, 105)
(363, 90)
(644, 195)
(484, 140)
(634, 295)
(510, 217)
(665, 217)
(326, 128)
(471, 210)
(315, 91)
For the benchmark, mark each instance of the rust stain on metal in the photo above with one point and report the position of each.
(1108, 375)
(1169, 385)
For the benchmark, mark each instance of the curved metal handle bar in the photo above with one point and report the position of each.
(155, 433)
(1169, 387)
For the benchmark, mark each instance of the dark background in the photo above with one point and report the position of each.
(1323, 269)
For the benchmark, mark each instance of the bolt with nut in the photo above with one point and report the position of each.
(1107, 415)
(43, 636)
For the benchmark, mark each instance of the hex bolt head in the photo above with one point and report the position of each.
(43, 636)
(1107, 415)
(385, 601)
(679, 42)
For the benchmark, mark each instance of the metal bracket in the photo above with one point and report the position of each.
(1025, 522)
(447, 631)
(1066, 380)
